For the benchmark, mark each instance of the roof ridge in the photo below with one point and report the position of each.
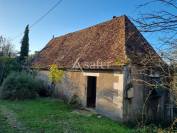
(89, 27)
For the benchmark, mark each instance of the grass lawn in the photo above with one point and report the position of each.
(52, 116)
(4, 126)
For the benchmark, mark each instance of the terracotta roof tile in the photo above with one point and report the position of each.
(105, 42)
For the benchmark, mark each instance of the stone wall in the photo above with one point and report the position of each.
(144, 104)
(133, 104)
(110, 95)
(109, 90)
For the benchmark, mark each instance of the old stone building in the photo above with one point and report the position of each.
(112, 69)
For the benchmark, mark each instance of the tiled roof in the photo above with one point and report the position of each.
(115, 42)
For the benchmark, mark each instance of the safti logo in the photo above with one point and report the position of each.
(90, 65)
(77, 65)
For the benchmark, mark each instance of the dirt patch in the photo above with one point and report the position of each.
(86, 112)
(11, 118)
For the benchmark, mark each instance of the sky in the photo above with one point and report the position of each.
(69, 16)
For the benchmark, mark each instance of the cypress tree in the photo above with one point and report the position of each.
(25, 45)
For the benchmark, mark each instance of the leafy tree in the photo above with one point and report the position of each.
(25, 45)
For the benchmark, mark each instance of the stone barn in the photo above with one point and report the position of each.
(112, 69)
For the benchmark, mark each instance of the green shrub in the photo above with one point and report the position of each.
(8, 65)
(75, 101)
(44, 90)
(20, 85)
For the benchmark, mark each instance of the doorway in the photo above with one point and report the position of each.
(91, 91)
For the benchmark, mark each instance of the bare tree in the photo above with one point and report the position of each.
(164, 21)
(6, 47)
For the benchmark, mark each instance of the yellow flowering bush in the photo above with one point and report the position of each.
(55, 74)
